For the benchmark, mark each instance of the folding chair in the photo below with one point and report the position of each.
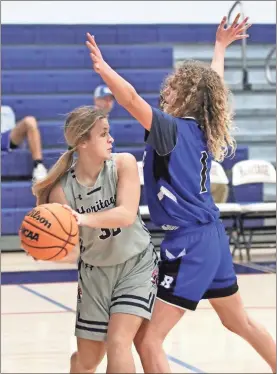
(144, 211)
(227, 210)
(255, 171)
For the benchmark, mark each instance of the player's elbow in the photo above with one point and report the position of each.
(127, 100)
(129, 218)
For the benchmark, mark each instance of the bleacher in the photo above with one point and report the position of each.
(46, 72)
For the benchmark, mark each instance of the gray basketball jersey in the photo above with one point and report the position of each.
(103, 247)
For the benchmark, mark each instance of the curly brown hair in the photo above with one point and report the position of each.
(194, 89)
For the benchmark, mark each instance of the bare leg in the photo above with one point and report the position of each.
(89, 356)
(28, 128)
(234, 317)
(121, 332)
(149, 340)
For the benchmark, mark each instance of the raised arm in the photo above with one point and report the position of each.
(224, 37)
(126, 95)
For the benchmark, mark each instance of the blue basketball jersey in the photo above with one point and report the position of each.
(177, 167)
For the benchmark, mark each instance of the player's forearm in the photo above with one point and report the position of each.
(218, 59)
(122, 90)
(111, 218)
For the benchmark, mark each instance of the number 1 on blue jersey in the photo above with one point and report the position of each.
(203, 174)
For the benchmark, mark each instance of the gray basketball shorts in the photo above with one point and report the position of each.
(128, 288)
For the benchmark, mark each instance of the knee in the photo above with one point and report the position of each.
(81, 364)
(140, 343)
(148, 343)
(31, 123)
(117, 345)
(237, 326)
(73, 362)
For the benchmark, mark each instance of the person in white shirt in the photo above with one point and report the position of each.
(13, 134)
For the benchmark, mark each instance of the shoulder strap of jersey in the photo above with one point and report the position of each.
(111, 164)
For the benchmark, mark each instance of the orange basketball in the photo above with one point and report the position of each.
(49, 232)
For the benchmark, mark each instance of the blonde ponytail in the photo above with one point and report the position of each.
(77, 127)
(42, 189)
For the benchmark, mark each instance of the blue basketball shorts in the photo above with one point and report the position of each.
(5, 141)
(196, 264)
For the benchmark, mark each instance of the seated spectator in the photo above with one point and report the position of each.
(13, 135)
(103, 98)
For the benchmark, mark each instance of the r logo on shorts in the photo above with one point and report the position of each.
(167, 282)
(155, 277)
(79, 294)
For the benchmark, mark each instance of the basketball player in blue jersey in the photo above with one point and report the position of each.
(182, 140)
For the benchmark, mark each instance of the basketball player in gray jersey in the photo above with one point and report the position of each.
(117, 263)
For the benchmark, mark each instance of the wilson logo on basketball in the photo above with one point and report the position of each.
(30, 234)
(35, 214)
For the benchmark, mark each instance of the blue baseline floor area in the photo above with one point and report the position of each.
(42, 276)
(70, 275)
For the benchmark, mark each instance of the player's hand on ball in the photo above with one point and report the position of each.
(95, 54)
(76, 215)
(236, 31)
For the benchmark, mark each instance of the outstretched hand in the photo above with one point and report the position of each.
(95, 54)
(236, 31)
